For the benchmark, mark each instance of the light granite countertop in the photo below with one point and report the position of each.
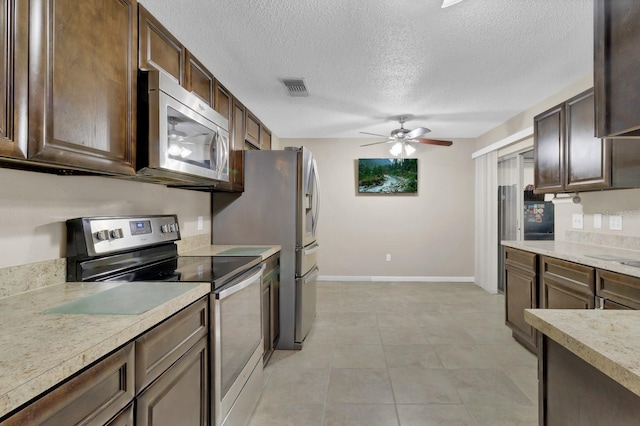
(38, 350)
(218, 250)
(607, 339)
(597, 256)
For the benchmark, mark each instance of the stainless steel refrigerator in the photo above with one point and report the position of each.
(280, 205)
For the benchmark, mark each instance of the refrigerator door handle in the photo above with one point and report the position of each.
(317, 182)
(311, 276)
(314, 248)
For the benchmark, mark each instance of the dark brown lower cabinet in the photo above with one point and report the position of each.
(573, 392)
(619, 291)
(521, 292)
(180, 396)
(165, 370)
(124, 418)
(566, 285)
(93, 397)
(271, 305)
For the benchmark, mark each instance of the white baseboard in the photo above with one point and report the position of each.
(397, 279)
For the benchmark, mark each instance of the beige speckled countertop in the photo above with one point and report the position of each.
(586, 254)
(215, 250)
(39, 350)
(607, 339)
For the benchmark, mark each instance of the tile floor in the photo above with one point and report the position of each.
(402, 354)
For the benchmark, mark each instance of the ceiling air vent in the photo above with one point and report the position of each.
(295, 87)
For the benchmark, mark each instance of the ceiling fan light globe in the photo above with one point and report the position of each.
(447, 3)
(408, 149)
(396, 149)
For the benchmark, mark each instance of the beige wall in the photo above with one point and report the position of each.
(525, 118)
(34, 206)
(428, 235)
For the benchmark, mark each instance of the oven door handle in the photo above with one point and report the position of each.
(241, 285)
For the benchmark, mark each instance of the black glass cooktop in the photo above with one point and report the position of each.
(214, 269)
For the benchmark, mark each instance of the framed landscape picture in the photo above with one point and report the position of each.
(387, 176)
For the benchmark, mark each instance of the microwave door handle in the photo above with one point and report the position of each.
(242, 284)
(224, 154)
(317, 195)
(213, 152)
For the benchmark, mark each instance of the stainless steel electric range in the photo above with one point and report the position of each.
(143, 248)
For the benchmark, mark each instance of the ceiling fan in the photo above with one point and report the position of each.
(403, 138)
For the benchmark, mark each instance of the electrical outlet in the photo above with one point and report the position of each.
(388, 257)
(200, 223)
(615, 223)
(597, 221)
(578, 221)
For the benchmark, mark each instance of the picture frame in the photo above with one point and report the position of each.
(387, 176)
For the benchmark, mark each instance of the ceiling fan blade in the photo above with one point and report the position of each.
(377, 143)
(434, 142)
(373, 134)
(416, 133)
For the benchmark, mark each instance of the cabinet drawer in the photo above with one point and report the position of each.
(566, 285)
(572, 275)
(159, 348)
(524, 260)
(91, 398)
(623, 289)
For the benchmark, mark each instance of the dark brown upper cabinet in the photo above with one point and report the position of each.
(82, 84)
(226, 104)
(265, 142)
(199, 80)
(159, 49)
(222, 101)
(13, 78)
(568, 158)
(253, 130)
(617, 68)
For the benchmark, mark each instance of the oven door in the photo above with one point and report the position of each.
(237, 340)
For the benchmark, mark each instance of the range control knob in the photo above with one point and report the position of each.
(102, 235)
(116, 233)
(172, 227)
(164, 229)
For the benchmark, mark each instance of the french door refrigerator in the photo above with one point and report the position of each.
(280, 205)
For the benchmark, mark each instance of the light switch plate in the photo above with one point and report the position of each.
(577, 221)
(615, 223)
(200, 223)
(597, 221)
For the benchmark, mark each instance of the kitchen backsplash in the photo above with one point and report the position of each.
(624, 203)
(627, 242)
(22, 278)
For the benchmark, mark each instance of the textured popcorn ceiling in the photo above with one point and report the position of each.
(461, 70)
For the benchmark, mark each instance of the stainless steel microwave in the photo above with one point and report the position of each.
(181, 139)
